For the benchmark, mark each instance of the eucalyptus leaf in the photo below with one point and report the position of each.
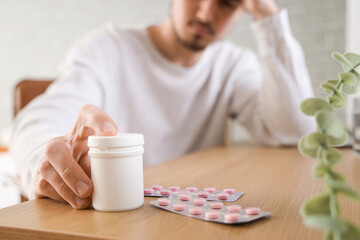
(340, 58)
(351, 232)
(333, 81)
(319, 204)
(328, 236)
(330, 156)
(352, 58)
(311, 105)
(338, 141)
(348, 89)
(341, 187)
(324, 221)
(328, 87)
(309, 144)
(336, 176)
(348, 78)
(319, 169)
(315, 140)
(337, 100)
(329, 124)
(309, 152)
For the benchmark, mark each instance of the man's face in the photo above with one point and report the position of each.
(197, 23)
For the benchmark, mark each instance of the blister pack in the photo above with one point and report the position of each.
(201, 209)
(210, 193)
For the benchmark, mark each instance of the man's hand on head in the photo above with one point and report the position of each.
(64, 173)
(260, 9)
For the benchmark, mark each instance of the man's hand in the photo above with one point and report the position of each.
(260, 9)
(64, 172)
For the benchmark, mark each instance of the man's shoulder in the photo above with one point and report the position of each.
(111, 32)
(122, 32)
(104, 44)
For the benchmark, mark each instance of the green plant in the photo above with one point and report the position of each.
(323, 211)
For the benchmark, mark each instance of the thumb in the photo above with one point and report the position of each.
(92, 120)
(108, 128)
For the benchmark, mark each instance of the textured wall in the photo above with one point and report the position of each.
(35, 35)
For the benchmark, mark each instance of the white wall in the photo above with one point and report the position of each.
(35, 34)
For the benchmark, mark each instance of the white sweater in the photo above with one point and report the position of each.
(178, 109)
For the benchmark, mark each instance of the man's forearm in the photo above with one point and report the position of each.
(285, 79)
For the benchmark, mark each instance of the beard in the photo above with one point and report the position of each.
(194, 44)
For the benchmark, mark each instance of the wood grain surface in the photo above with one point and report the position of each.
(276, 179)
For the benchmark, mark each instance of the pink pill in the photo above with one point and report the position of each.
(232, 217)
(210, 190)
(174, 188)
(157, 187)
(229, 190)
(179, 207)
(165, 192)
(252, 211)
(192, 189)
(148, 191)
(185, 197)
(216, 205)
(199, 201)
(203, 194)
(164, 201)
(223, 196)
(212, 215)
(195, 211)
(234, 208)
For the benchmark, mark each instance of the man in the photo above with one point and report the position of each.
(175, 83)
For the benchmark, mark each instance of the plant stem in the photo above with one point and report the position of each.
(332, 195)
(338, 85)
(334, 210)
(334, 207)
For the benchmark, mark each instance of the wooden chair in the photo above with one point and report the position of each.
(25, 91)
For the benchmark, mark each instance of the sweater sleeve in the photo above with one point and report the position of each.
(53, 113)
(267, 94)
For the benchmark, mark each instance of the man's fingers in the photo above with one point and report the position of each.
(60, 158)
(51, 176)
(43, 189)
(84, 163)
(78, 148)
(65, 169)
(92, 120)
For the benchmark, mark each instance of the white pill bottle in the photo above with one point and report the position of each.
(117, 171)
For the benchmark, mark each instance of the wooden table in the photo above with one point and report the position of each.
(277, 180)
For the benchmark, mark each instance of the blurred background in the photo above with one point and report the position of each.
(36, 35)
